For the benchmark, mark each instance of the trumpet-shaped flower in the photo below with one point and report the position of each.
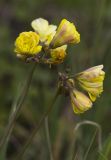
(58, 54)
(45, 31)
(80, 102)
(91, 80)
(26, 44)
(66, 33)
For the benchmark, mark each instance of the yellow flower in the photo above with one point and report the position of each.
(45, 31)
(58, 54)
(66, 33)
(91, 80)
(80, 102)
(26, 44)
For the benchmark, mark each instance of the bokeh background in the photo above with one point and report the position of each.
(93, 20)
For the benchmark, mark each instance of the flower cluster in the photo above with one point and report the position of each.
(47, 43)
(91, 82)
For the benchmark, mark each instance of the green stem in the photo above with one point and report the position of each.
(86, 122)
(48, 138)
(30, 139)
(99, 138)
(16, 107)
(89, 147)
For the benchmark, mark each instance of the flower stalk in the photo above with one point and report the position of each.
(16, 108)
(30, 139)
(48, 138)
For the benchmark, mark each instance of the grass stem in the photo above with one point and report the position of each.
(31, 137)
(48, 138)
(16, 108)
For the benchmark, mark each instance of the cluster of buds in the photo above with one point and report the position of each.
(47, 43)
(91, 83)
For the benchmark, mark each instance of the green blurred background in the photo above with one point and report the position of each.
(93, 20)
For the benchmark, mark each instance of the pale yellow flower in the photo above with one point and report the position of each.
(58, 54)
(66, 33)
(80, 102)
(45, 31)
(26, 44)
(91, 80)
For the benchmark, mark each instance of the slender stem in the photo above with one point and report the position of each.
(102, 156)
(48, 138)
(16, 107)
(30, 139)
(98, 128)
(89, 147)
(75, 157)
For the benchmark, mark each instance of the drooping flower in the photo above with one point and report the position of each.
(66, 33)
(45, 31)
(27, 44)
(91, 80)
(58, 54)
(80, 102)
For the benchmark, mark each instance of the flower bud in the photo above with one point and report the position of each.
(80, 102)
(66, 33)
(58, 54)
(26, 44)
(91, 80)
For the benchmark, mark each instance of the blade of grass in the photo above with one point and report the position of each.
(75, 157)
(86, 122)
(20, 155)
(16, 107)
(89, 147)
(48, 138)
(105, 153)
(102, 157)
(99, 139)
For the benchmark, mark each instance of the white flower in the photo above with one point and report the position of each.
(45, 31)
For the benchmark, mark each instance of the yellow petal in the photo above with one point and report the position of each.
(80, 102)
(91, 80)
(92, 97)
(66, 33)
(58, 54)
(27, 43)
